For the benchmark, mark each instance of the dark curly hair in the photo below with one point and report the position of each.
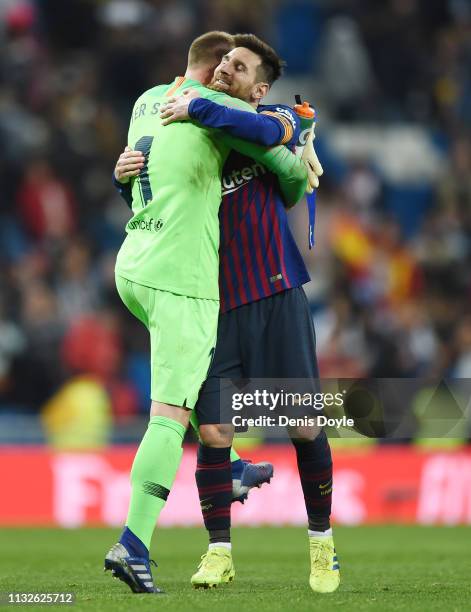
(271, 67)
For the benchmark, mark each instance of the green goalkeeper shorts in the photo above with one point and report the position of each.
(182, 339)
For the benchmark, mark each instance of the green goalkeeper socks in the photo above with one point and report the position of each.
(153, 472)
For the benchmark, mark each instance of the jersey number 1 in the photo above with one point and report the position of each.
(144, 144)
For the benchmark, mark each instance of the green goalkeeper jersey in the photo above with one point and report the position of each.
(173, 236)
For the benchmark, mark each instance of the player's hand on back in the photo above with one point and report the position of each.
(129, 164)
(176, 109)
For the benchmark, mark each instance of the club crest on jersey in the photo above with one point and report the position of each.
(237, 178)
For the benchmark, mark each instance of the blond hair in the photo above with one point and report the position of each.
(209, 48)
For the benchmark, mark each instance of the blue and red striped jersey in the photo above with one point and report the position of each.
(258, 255)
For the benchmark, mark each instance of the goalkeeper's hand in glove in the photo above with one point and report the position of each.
(313, 165)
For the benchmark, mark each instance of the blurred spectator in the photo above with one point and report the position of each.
(12, 344)
(455, 187)
(461, 367)
(46, 204)
(345, 69)
(43, 328)
(77, 285)
(78, 416)
(93, 345)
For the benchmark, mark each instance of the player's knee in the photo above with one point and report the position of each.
(218, 436)
(305, 433)
(177, 413)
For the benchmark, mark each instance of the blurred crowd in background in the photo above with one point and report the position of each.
(391, 287)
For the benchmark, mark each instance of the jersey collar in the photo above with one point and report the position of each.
(178, 82)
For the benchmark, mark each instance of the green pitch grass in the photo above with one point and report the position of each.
(382, 568)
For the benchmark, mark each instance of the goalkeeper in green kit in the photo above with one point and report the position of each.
(167, 276)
